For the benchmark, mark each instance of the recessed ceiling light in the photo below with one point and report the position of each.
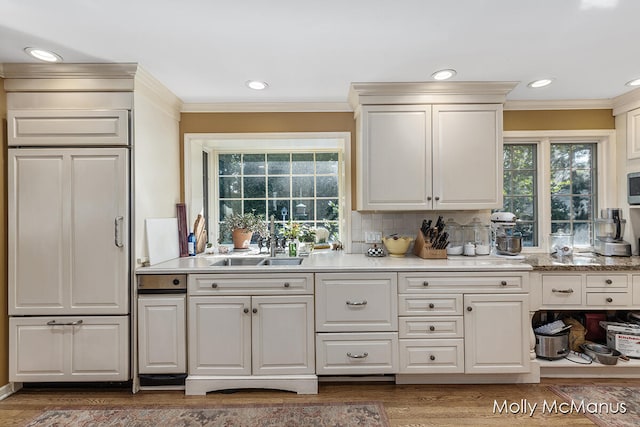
(256, 84)
(635, 82)
(43, 55)
(443, 74)
(540, 83)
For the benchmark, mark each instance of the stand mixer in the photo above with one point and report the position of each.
(506, 241)
(609, 232)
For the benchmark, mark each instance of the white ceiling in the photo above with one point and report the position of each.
(205, 50)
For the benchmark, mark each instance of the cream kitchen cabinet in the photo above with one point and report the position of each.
(423, 157)
(633, 134)
(356, 323)
(260, 337)
(162, 329)
(69, 348)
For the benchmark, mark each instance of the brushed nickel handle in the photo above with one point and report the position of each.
(503, 283)
(609, 299)
(608, 281)
(425, 283)
(469, 308)
(214, 285)
(432, 328)
(357, 356)
(286, 284)
(432, 357)
(562, 291)
(54, 323)
(255, 310)
(117, 234)
(357, 303)
(432, 305)
(246, 310)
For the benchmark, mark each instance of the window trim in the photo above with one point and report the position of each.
(283, 141)
(605, 140)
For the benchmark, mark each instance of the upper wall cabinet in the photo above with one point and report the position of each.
(633, 134)
(424, 147)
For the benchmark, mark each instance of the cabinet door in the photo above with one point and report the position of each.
(467, 156)
(394, 158)
(162, 334)
(633, 134)
(219, 336)
(68, 215)
(283, 339)
(496, 330)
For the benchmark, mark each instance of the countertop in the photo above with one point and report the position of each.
(337, 261)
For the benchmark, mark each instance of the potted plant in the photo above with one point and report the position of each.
(241, 226)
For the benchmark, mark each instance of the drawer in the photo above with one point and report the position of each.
(606, 281)
(355, 354)
(431, 356)
(431, 327)
(561, 289)
(608, 299)
(476, 282)
(430, 305)
(356, 303)
(251, 284)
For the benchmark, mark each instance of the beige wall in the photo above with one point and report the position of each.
(4, 320)
(558, 119)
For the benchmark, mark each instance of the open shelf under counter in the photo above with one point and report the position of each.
(563, 368)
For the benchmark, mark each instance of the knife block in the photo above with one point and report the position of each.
(423, 249)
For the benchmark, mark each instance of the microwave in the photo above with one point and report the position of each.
(633, 188)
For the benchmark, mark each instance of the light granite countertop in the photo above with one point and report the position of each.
(332, 261)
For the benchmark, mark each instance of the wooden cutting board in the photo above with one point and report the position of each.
(162, 239)
(200, 233)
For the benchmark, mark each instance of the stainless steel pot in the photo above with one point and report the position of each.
(552, 346)
(508, 245)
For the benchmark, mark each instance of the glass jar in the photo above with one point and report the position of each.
(480, 235)
(456, 240)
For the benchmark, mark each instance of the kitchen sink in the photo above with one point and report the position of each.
(282, 261)
(238, 262)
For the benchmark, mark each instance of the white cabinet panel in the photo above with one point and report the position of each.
(444, 356)
(633, 134)
(357, 353)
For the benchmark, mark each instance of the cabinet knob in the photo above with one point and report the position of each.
(432, 305)
(425, 283)
(608, 281)
(214, 285)
(437, 198)
(432, 328)
(469, 308)
(429, 198)
(503, 283)
(609, 299)
(432, 357)
(246, 310)
(176, 282)
(286, 284)
(255, 310)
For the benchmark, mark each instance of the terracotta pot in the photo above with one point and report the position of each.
(241, 238)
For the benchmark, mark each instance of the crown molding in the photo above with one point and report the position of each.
(626, 102)
(560, 104)
(266, 107)
(162, 97)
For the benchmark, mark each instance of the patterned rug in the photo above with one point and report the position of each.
(611, 406)
(369, 414)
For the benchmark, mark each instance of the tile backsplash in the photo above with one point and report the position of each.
(402, 223)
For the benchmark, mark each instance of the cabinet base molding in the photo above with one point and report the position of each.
(8, 389)
(532, 377)
(301, 384)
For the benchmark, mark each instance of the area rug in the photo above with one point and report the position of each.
(611, 406)
(369, 414)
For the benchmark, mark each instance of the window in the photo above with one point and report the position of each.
(556, 183)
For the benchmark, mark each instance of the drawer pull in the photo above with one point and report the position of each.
(432, 328)
(54, 323)
(246, 310)
(562, 291)
(432, 357)
(609, 299)
(503, 283)
(608, 281)
(357, 356)
(432, 305)
(425, 283)
(214, 285)
(469, 308)
(286, 284)
(357, 303)
(176, 282)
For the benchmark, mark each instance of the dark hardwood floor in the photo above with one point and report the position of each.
(406, 405)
